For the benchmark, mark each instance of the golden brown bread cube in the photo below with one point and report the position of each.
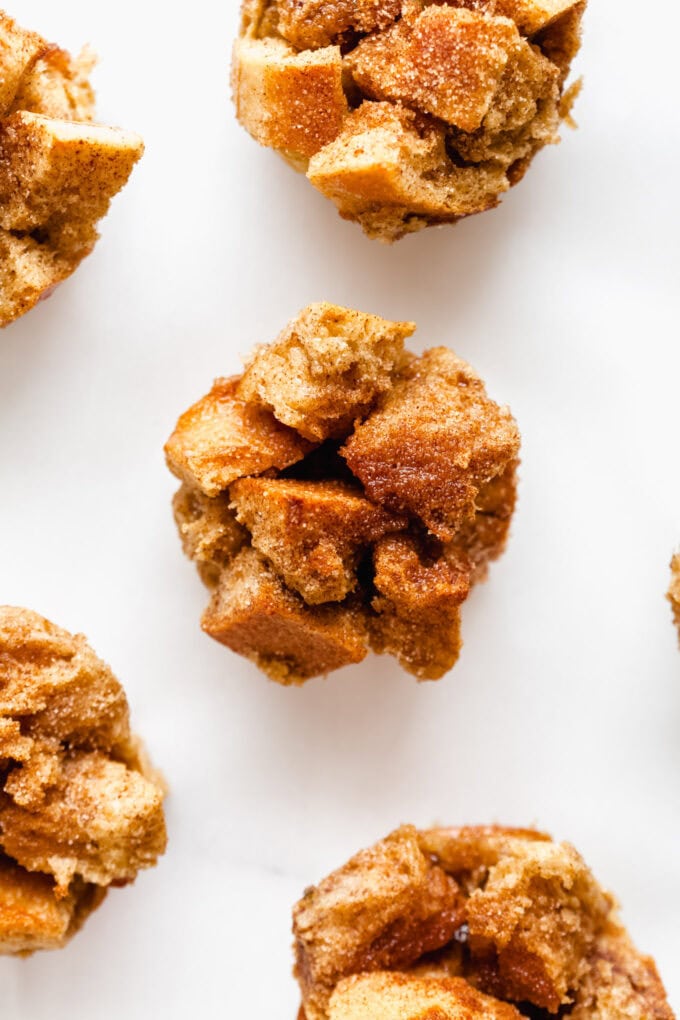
(222, 438)
(435, 109)
(314, 533)
(293, 102)
(58, 171)
(674, 590)
(326, 369)
(255, 615)
(446, 61)
(417, 605)
(523, 921)
(80, 808)
(435, 440)
(389, 170)
(392, 996)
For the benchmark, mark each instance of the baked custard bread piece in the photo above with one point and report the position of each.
(674, 590)
(343, 495)
(326, 369)
(80, 807)
(58, 169)
(476, 922)
(406, 113)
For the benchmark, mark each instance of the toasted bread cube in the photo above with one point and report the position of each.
(100, 820)
(434, 442)
(19, 51)
(310, 24)
(210, 533)
(256, 616)
(57, 85)
(523, 117)
(60, 169)
(385, 908)
(389, 170)
(326, 369)
(31, 916)
(417, 606)
(291, 101)
(533, 15)
(447, 61)
(386, 995)
(222, 438)
(311, 532)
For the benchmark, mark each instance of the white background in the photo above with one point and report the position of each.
(564, 710)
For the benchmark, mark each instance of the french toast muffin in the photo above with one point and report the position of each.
(406, 113)
(59, 169)
(343, 494)
(473, 923)
(80, 807)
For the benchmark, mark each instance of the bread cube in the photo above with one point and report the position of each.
(255, 615)
(222, 438)
(388, 996)
(389, 170)
(417, 606)
(55, 169)
(292, 102)
(326, 369)
(434, 442)
(311, 532)
(447, 61)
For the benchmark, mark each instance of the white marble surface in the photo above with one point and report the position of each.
(564, 710)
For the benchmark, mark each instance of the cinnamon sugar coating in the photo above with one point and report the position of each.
(433, 443)
(343, 495)
(674, 590)
(58, 169)
(406, 113)
(80, 808)
(468, 923)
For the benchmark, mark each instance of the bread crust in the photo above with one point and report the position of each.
(406, 113)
